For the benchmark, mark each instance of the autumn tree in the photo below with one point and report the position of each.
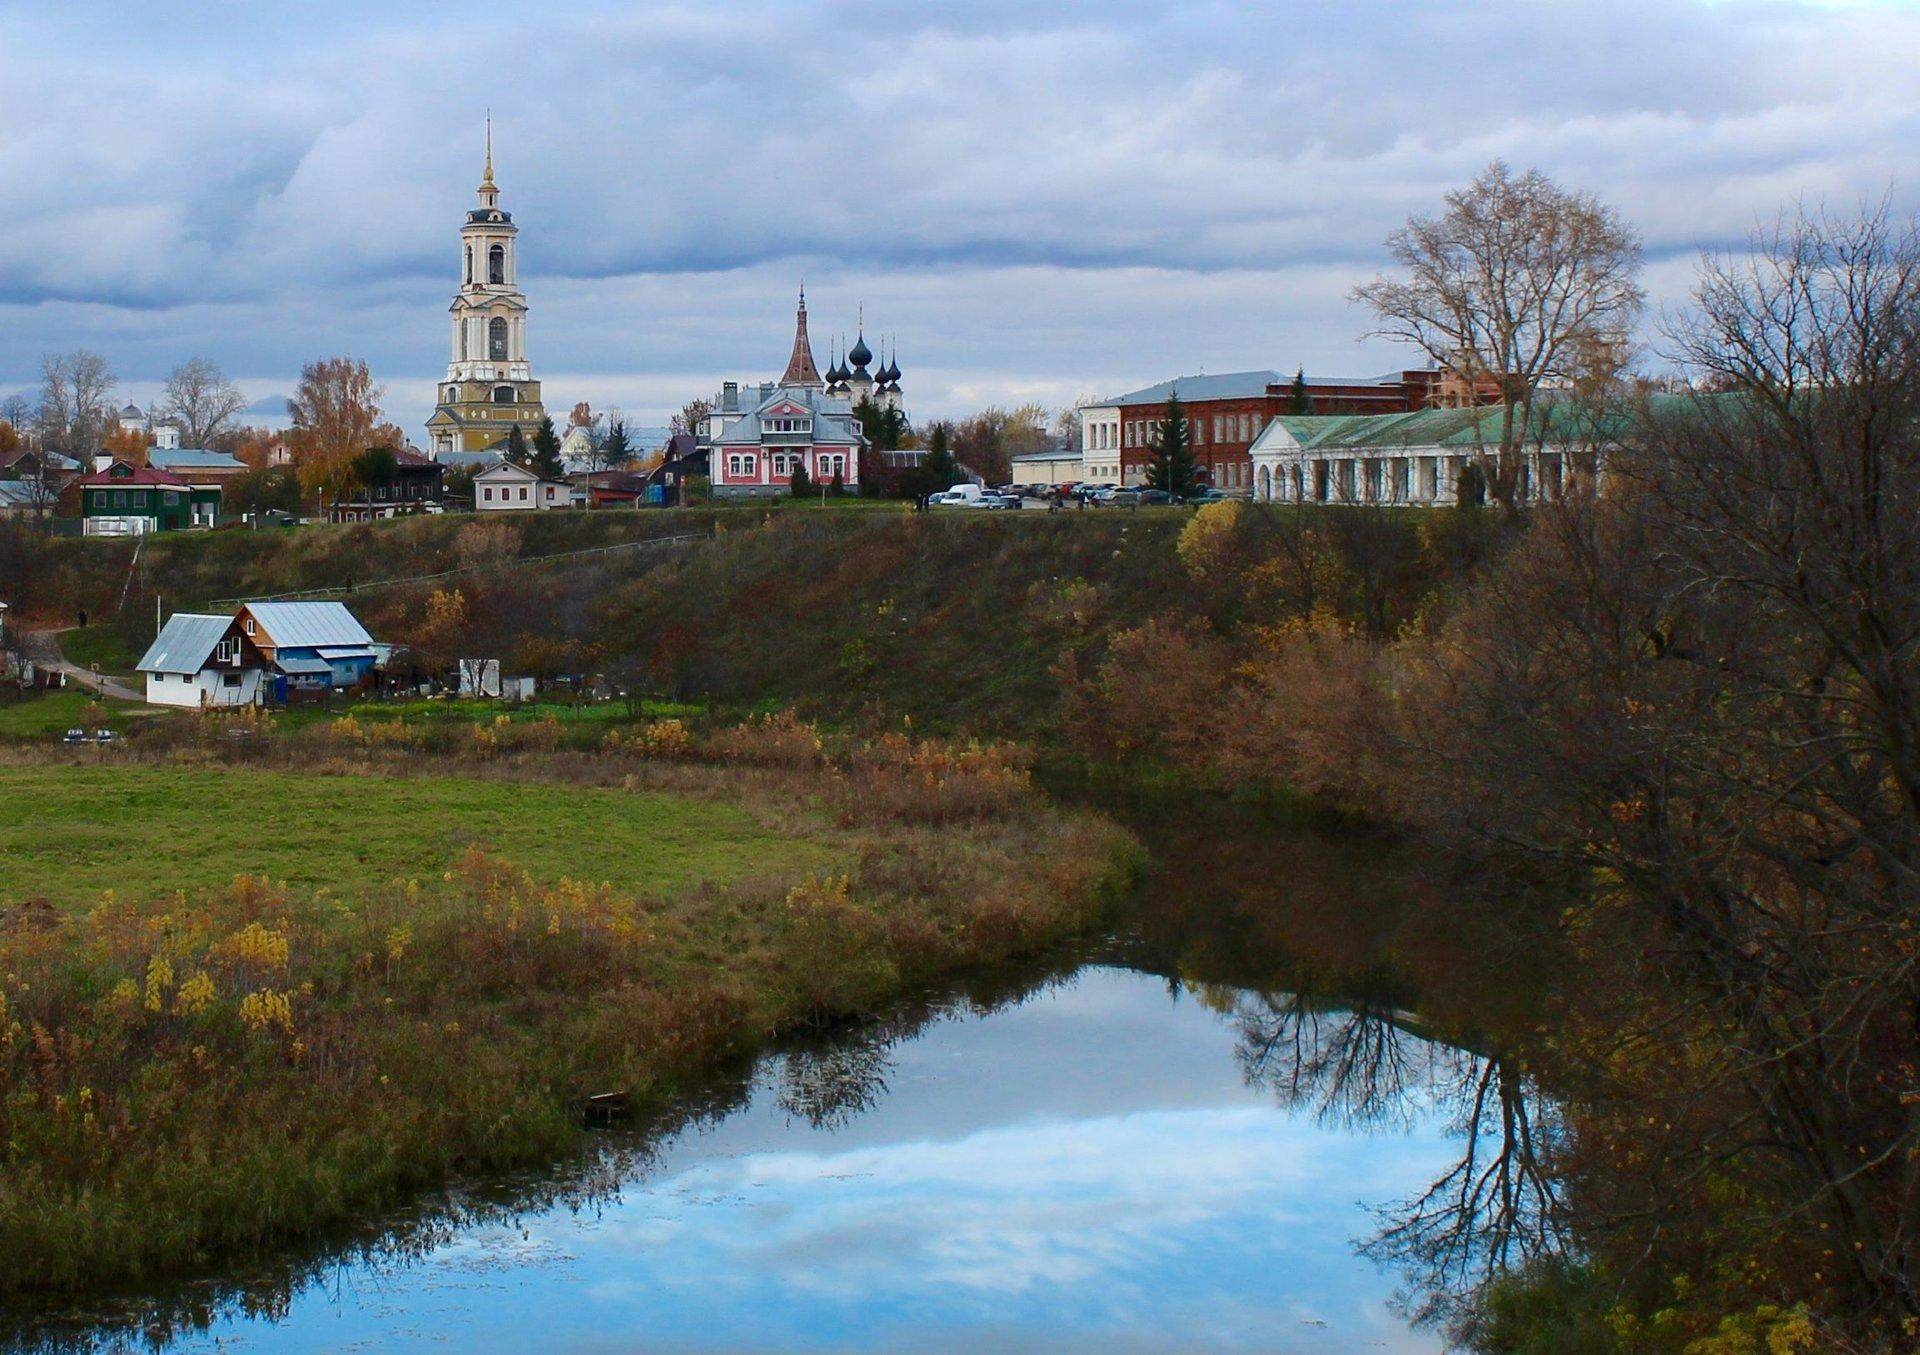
(125, 444)
(201, 400)
(1690, 702)
(1516, 286)
(335, 410)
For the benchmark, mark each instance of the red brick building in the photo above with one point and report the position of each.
(1228, 411)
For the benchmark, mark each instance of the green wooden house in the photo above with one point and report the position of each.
(127, 500)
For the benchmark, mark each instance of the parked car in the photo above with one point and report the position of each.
(74, 736)
(961, 496)
(1012, 499)
(1214, 496)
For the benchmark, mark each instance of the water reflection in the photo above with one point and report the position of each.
(1174, 1137)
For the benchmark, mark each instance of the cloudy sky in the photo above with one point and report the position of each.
(1039, 200)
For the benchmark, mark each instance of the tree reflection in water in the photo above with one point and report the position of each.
(1368, 993)
(1367, 1066)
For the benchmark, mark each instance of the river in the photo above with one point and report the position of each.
(1199, 1131)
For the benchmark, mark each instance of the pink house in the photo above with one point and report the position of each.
(760, 435)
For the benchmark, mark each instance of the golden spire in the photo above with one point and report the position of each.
(486, 179)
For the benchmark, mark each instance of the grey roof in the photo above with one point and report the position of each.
(477, 460)
(1222, 386)
(25, 494)
(192, 458)
(184, 643)
(833, 420)
(304, 625)
(302, 665)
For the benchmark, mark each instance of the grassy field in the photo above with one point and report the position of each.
(150, 831)
(449, 952)
(47, 716)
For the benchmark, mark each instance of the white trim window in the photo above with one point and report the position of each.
(741, 466)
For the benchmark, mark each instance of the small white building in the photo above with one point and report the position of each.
(202, 661)
(507, 488)
(1099, 443)
(1055, 466)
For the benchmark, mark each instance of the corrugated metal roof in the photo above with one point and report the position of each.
(299, 665)
(184, 643)
(25, 494)
(192, 458)
(303, 625)
(1554, 420)
(1220, 386)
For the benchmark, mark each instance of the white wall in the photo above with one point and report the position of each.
(206, 688)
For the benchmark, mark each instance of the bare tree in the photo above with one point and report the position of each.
(692, 417)
(1066, 424)
(76, 401)
(1517, 285)
(201, 400)
(1694, 699)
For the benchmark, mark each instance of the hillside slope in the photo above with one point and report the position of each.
(957, 621)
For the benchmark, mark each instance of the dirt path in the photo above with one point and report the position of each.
(43, 648)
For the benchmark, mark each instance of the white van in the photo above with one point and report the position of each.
(961, 496)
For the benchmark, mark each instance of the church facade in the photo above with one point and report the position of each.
(489, 387)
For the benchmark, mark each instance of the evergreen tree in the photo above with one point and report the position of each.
(517, 446)
(937, 471)
(1172, 467)
(839, 485)
(1302, 402)
(546, 461)
(615, 451)
(801, 485)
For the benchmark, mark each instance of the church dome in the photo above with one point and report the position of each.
(861, 355)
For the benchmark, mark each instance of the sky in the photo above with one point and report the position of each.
(1035, 201)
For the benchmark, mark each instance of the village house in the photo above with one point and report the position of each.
(126, 500)
(506, 488)
(203, 661)
(309, 645)
(416, 487)
(197, 465)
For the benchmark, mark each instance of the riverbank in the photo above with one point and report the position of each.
(205, 1074)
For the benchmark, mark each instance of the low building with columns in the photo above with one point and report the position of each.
(1421, 458)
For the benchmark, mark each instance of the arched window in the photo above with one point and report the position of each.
(497, 265)
(497, 338)
(503, 395)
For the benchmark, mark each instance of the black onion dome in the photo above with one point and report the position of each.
(860, 355)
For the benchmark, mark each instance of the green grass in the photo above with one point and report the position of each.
(53, 713)
(148, 831)
(102, 645)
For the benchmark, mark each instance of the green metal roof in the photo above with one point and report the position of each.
(1553, 420)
